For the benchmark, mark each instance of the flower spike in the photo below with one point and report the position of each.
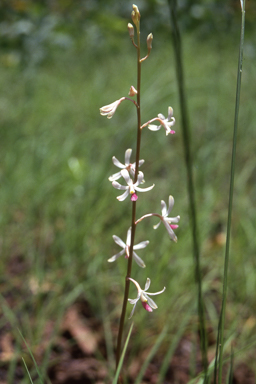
(146, 301)
(126, 249)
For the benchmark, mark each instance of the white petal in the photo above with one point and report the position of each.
(164, 208)
(132, 312)
(133, 301)
(157, 225)
(141, 245)
(128, 237)
(128, 180)
(140, 178)
(147, 285)
(117, 163)
(151, 302)
(153, 127)
(171, 220)
(171, 204)
(138, 260)
(144, 189)
(115, 176)
(170, 113)
(156, 293)
(166, 127)
(137, 286)
(170, 231)
(118, 241)
(115, 257)
(123, 196)
(119, 186)
(171, 122)
(125, 174)
(161, 116)
(127, 156)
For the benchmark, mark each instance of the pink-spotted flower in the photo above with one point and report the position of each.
(146, 301)
(167, 221)
(126, 249)
(109, 110)
(167, 123)
(127, 165)
(131, 187)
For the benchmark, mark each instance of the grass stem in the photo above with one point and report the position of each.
(231, 192)
(190, 185)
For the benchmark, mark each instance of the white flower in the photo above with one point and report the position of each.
(109, 110)
(126, 249)
(146, 301)
(127, 165)
(130, 187)
(167, 221)
(165, 122)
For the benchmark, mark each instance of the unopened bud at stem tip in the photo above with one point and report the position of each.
(132, 91)
(135, 15)
(149, 41)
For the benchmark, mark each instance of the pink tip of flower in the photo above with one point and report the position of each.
(173, 226)
(172, 132)
(147, 307)
(134, 197)
(126, 257)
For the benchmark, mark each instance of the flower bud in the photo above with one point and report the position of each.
(132, 91)
(149, 41)
(131, 30)
(136, 15)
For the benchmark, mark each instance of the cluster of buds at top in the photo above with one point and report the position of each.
(133, 178)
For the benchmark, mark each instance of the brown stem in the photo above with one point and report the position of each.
(129, 266)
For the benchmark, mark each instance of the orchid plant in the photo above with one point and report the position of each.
(132, 178)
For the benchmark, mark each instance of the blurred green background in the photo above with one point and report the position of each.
(60, 62)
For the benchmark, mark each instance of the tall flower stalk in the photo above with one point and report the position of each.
(136, 20)
(133, 178)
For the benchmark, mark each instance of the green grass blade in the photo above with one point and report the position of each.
(115, 381)
(231, 189)
(27, 371)
(32, 357)
(190, 184)
(231, 369)
(201, 378)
